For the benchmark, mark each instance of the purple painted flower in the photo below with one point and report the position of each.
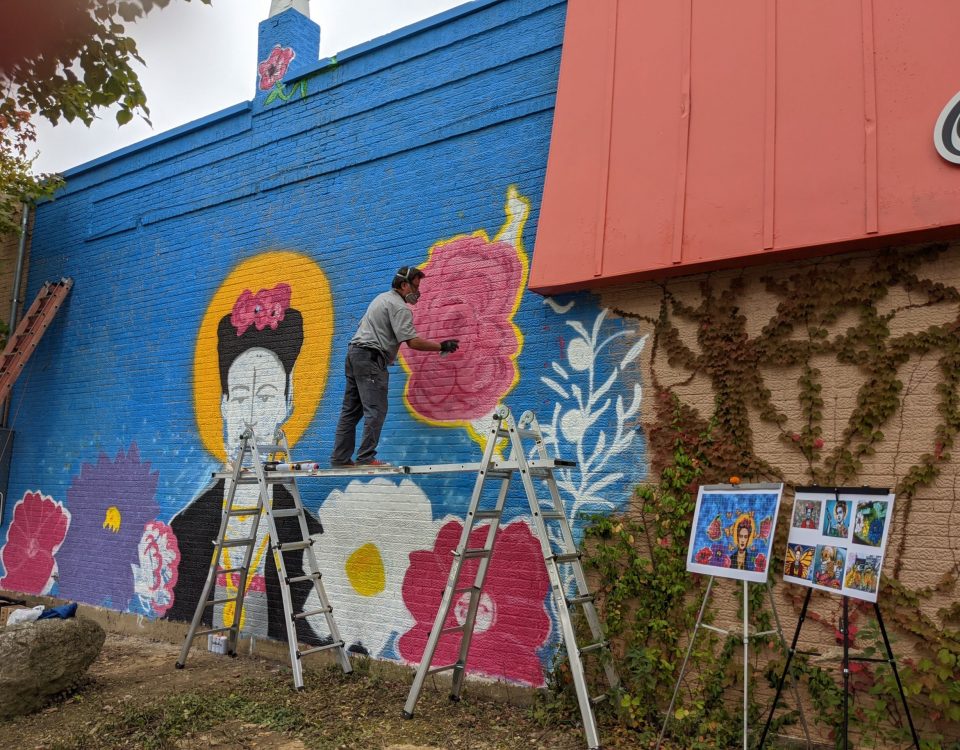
(110, 503)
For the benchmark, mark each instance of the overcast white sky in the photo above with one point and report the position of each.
(203, 58)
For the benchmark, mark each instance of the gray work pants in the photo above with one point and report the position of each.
(366, 397)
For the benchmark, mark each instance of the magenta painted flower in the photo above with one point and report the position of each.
(274, 68)
(156, 575)
(110, 503)
(765, 526)
(469, 293)
(268, 307)
(512, 621)
(36, 532)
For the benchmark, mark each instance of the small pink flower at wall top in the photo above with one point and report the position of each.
(268, 307)
(274, 68)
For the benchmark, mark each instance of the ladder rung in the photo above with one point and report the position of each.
(457, 629)
(335, 644)
(498, 473)
(599, 699)
(552, 515)
(594, 647)
(238, 542)
(501, 433)
(468, 590)
(585, 599)
(469, 554)
(248, 511)
(435, 670)
(293, 546)
(299, 579)
(228, 571)
(483, 514)
(566, 557)
(271, 448)
(212, 631)
(312, 612)
(215, 602)
(285, 512)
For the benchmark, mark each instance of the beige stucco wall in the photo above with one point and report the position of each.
(924, 544)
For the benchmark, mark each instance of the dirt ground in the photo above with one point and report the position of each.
(134, 698)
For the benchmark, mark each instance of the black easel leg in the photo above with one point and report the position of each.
(786, 667)
(844, 627)
(896, 674)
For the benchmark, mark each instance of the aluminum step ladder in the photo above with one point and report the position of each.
(547, 517)
(29, 331)
(250, 468)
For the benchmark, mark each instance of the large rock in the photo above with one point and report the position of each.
(43, 658)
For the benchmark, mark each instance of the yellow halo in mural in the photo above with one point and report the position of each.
(310, 294)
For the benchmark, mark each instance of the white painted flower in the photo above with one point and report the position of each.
(370, 529)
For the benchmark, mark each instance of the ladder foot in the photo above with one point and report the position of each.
(454, 697)
(407, 714)
(179, 665)
(301, 689)
(232, 654)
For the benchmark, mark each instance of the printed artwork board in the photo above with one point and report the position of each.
(837, 539)
(733, 527)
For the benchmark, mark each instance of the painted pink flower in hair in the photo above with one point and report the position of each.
(36, 532)
(156, 576)
(265, 308)
(511, 624)
(469, 293)
(274, 68)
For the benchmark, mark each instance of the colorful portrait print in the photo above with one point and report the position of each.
(733, 532)
(863, 572)
(828, 566)
(261, 363)
(836, 520)
(806, 514)
(798, 561)
(869, 520)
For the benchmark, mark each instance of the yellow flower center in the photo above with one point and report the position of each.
(365, 570)
(111, 521)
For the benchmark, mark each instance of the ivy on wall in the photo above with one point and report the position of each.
(840, 311)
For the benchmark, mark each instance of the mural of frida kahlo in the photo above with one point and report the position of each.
(258, 344)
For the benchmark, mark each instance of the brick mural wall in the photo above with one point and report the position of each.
(247, 245)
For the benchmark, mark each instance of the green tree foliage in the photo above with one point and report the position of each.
(61, 59)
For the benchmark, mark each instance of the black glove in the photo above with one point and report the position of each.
(449, 346)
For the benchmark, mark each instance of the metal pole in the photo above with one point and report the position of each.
(683, 667)
(896, 674)
(746, 664)
(844, 626)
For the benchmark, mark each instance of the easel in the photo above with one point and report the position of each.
(844, 627)
(746, 635)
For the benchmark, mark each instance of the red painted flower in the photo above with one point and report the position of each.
(704, 556)
(274, 68)
(469, 293)
(760, 562)
(36, 532)
(512, 621)
(765, 526)
(265, 308)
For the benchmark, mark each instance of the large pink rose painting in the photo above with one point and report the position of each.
(512, 622)
(36, 532)
(471, 292)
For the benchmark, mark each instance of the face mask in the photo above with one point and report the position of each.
(412, 297)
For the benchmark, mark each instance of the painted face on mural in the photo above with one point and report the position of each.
(257, 396)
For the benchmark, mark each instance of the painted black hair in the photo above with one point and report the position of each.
(285, 341)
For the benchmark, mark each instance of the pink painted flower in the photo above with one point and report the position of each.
(765, 526)
(469, 293)
(265, 308)
(512, 621)
(274, 68)
(156, 575)
(760, 562)
(36, 532)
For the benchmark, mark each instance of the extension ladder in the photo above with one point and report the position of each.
(544, 517)
(29, 331)
(250, 468)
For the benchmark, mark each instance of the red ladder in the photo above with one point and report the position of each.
(29, 332)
